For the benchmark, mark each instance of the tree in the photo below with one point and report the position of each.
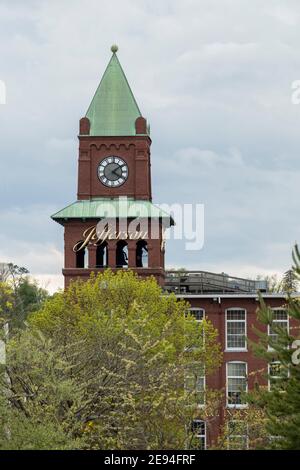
(29, 297)
(35, 392)
(106, 360)
(25, 296)
(281, 403)
(290, 281)
(6, 302)
(244, 429)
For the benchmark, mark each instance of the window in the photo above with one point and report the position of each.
(195, 385)
(276, 373)
(280, 319)
(236, 383)
(237, 432)
(198, 313)
(198, 434)
(235, 329)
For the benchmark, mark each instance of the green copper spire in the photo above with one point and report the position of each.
(113, 110)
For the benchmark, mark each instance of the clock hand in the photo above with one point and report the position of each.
(116, 171)
(111, 172)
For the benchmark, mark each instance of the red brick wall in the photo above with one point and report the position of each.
(135, 151)
(73, 233)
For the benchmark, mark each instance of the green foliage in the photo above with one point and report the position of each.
(19, 296)
(18, 432)
(104, 362)
(290, 281)
(6, 302)
(36, 396)
(244, 429)
(29, 297)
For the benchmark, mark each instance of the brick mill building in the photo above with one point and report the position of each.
(114, 182)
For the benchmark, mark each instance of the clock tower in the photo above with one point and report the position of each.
(113, 223)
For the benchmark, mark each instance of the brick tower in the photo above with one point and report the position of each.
(113, 223)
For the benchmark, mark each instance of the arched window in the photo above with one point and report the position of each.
(236, 329)
(141, 254)
(102, 255)
(82, 258)
(122, 254)
(236, 384)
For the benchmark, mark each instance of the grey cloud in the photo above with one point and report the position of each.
(212, 77)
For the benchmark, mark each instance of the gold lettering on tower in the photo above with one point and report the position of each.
(90, 236)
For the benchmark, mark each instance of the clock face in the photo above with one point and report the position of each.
(112, 171)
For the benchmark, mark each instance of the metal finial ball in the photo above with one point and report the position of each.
(114, 48)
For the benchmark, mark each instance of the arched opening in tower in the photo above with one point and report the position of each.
(102, 255)
(141, 254)
(122, 254)
(82, 258)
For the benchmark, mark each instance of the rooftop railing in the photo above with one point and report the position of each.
(204, 282)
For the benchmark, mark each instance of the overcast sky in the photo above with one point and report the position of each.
(213, 78)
